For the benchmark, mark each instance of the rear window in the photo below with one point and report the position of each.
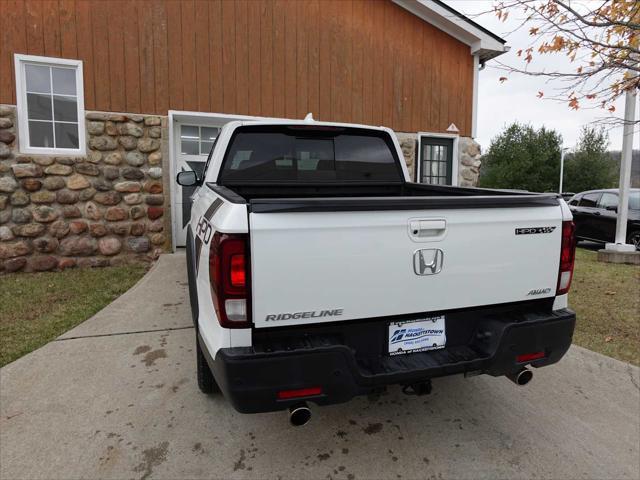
(300, 154)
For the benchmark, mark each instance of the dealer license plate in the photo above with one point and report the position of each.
(417, 335)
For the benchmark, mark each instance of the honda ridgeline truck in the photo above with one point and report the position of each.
(318, 271)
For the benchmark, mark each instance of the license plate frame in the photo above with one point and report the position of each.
(417, 335)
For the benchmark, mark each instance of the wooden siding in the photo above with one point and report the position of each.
(364, 61)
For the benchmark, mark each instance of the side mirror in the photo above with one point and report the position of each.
(612, 208)
(188, 178)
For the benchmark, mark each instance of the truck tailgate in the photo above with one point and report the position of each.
(323, 266)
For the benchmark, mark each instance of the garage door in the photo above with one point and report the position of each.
(193, 144)
(192, 136)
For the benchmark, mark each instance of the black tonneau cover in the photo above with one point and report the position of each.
(268, 205)
(408, 196)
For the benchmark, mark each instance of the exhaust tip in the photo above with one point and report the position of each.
(299, 415)
(522, 377)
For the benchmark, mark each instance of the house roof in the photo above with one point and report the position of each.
(484, 43)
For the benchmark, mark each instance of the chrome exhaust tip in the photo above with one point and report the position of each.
(299, 414)
(521, 377)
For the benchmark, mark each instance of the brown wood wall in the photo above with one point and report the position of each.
(365, 61)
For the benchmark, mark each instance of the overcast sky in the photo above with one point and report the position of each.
(501, 104)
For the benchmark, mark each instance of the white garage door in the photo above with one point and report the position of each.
(192, 135)
(192, 146)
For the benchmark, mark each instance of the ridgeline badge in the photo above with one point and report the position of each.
(317, 314)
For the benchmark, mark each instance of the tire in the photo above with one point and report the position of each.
(206, 382)
(634, 239)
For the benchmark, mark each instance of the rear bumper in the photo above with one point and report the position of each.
(251, 378)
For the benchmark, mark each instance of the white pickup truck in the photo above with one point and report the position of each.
(318, 271)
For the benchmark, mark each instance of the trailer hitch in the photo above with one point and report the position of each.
(419, 389)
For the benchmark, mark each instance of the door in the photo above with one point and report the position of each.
(328, 266)
(605, 223)
(436, 161)
(193, 144)
(584, 215)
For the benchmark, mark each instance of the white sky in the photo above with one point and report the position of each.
(515, 100)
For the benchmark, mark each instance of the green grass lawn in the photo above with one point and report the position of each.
(606, 298)
(35, 308)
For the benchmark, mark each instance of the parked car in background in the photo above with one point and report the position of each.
(595, 213)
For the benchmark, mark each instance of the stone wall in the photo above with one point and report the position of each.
(469, 162)
(468, 157)
(108, 207)
(408, 144)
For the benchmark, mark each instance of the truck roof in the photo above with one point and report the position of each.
(305, 122)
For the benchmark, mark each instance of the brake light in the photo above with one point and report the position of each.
(567, 256)
(238, 275)
(301, 392)
(529, 357)
(229, 279)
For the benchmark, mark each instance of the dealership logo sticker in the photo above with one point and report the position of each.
(417, 336)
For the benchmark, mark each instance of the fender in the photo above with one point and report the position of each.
(191, 276)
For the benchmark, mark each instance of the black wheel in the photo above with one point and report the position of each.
(206, 382)
(634, 239)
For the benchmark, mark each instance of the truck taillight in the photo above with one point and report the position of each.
(229, 279)
(567, 256)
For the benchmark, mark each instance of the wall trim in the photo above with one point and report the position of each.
(474, 104)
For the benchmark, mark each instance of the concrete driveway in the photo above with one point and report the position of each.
(116, 398)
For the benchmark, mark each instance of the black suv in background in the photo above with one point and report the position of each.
(595, 213)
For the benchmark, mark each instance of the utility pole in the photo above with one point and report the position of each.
(562, 150)
(620, 245)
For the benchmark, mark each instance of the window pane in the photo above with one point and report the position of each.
(38, 107)
(65, 109)
(205, 147)
(64, 81)
(41, 134)
(67, 135)
(608, 200)
(189, 147)
(589, 200)
(209, 134)
(37, 78)
(188, 132)
(434, 169)
(443, 169)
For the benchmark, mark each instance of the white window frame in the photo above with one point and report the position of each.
(454, 155)
(20, 61)
(199, 139)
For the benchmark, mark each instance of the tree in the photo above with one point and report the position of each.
(590, 166)
(523, 158)
(602, 40)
